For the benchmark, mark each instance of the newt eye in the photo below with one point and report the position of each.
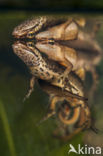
(30, 35)
(30, 44)
(51, 41)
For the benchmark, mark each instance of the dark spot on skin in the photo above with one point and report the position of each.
(35, 73)
(46, 66)
(38, 59)
(41, 69)
(42, 74)
(52, 78)
(47, 73)
(66, 80)
(61, 77)
(59, 81)
(36, 70)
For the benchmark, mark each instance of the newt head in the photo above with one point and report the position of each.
(28, 28)
(26, 54)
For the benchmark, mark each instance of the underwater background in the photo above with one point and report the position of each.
(19, 133)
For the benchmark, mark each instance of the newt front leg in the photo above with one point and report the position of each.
(31, 88)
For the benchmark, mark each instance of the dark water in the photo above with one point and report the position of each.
(19, 133)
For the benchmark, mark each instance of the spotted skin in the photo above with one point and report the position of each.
(47, 69)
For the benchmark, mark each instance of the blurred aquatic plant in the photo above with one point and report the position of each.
(7, 130)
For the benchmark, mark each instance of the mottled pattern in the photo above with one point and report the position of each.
(46, 69)
(23, 28)
(34, 25)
